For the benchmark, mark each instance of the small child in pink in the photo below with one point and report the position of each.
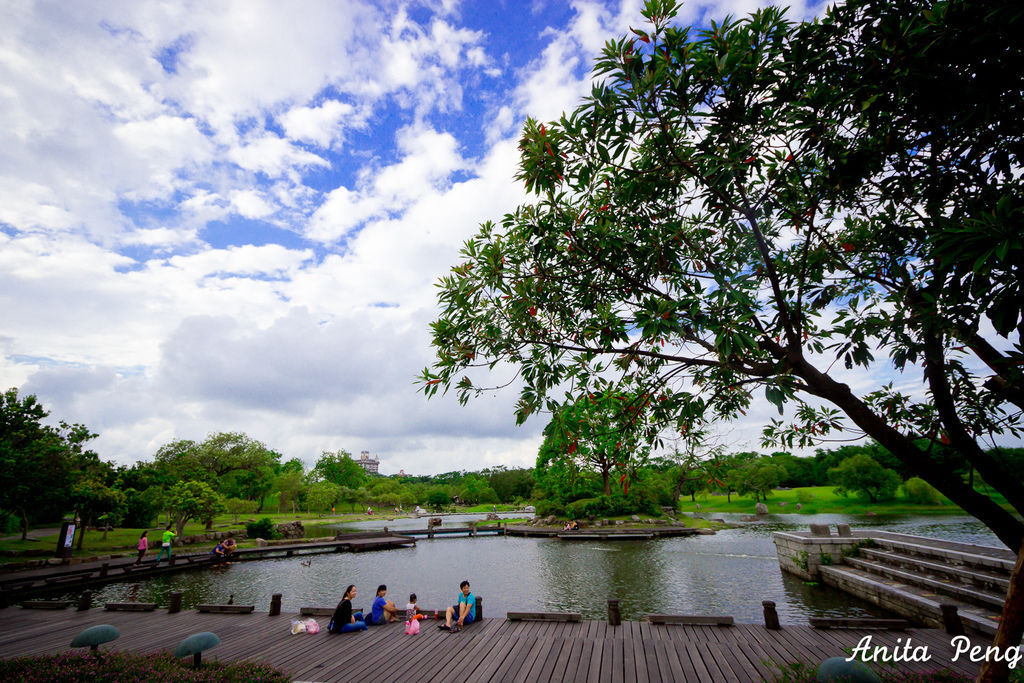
(143, 547)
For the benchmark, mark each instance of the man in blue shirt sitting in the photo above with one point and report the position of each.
(464, 610)
(382, 610)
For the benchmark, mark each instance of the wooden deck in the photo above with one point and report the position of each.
(492, 650)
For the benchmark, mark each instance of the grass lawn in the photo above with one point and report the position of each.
(821, 500)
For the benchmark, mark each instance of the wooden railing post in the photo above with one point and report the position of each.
(104, 568)
(951, 620)
(275, 604)
(771, 617)
(614, 616)
(175, 605)
(479, 608)
(84, 601)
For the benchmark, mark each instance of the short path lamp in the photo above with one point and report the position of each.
(841, 669)
(94, 636)
(195, 644)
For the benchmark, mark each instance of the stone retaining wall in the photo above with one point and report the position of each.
(802, 553)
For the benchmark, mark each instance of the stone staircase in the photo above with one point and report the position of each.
(913, 576)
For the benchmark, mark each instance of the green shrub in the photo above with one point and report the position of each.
(264, 529)
(126, 666)
(917, 490)
(550, 507)
(803, 496)
(9, 522)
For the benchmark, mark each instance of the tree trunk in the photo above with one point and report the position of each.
(24, 524)
(607, 482)
(1011, 625)
(1008, 528)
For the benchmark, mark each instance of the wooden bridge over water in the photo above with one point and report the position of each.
(492, 650)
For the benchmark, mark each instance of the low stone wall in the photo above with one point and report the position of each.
(802, 553)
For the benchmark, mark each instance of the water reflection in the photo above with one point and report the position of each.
(729, 573)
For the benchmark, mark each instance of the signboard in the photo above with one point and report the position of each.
(66, 539)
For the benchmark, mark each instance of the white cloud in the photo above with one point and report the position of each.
(250, 204)
(273, 156)
(322, 125)
(428, 160)
(135, 135)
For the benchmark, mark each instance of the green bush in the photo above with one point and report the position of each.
(264, 529)
(584, 507)
(139, 510)
(9, 522)
(550, 507)
(640, 500)
(803, 496)
(917, 490)
(126, 666)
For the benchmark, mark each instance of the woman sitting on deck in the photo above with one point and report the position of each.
(344, 621)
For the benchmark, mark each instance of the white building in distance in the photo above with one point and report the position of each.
(371, 465)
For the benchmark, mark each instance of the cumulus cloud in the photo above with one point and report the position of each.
(428, 159)
(321, 125)
(229, 216)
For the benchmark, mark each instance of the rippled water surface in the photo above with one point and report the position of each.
(730, 572)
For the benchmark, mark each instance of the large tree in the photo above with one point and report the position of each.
(188, 500)
(37, 461)
(601, 432)
(232, 462)
(740, 211)
(702, 231)
(340, 469)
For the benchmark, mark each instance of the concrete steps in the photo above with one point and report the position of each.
(976, 557)
(980, 578)
(914, 576)
(910, 600)
(938, 586)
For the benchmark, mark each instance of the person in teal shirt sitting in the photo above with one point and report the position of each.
(464, 610)
(165, 546)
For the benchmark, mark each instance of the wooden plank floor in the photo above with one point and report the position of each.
(493, 650)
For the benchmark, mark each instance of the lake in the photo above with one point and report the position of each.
(729, 573)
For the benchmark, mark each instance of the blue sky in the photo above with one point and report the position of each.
(220, 216)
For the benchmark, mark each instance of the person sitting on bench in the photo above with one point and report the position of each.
(464, 610)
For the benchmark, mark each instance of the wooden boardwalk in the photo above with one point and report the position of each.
(16, 586)
(492, 650)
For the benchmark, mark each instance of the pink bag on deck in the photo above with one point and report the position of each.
(412, 627)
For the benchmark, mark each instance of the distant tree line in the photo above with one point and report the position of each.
(47, 472)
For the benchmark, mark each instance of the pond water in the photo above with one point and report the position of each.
(730, 573)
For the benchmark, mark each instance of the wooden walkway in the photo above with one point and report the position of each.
(492, 650)
(18, 585)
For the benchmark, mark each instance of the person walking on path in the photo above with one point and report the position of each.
(143, 547)
(165, 546)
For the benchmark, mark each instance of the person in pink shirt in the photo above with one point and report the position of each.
(143, 547)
